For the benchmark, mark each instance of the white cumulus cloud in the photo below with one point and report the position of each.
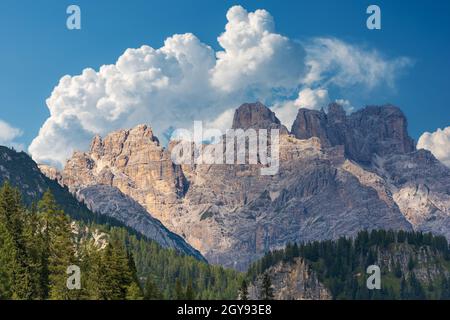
(186, 80)
(438, 143)
(254, 56)
(9, 134)
(308, 98)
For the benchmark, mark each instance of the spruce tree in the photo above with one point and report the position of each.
(243, 291)
(134, 292)
(189, 295)
(58, 248)
(13, 216)
(266, 288)
(179, 294)
(151, 290)
(114, 274)
(7, 255)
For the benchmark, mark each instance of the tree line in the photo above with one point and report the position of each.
(340, 263)
(39, 242)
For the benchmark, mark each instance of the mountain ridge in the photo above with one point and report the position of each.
(339, 174)
(22, 172)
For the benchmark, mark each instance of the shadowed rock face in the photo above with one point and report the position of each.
(109, 201)
(369, 131)
(338, 175)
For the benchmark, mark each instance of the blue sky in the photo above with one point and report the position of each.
(37, 49)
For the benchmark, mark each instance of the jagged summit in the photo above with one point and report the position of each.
(380, 130)
(338, 174)
(256, 116)
(140, 132)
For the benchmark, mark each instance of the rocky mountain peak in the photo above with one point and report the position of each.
(310, 123)
(256, 116)
(336, 112)
(380, 130)
(323, 190)
(132, 161)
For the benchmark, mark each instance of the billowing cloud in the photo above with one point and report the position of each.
(9, 134)
(333, 62)
(438, 143)
(186, 80)
(254, 56)
(312, 99)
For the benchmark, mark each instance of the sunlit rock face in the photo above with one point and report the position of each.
(338, 174)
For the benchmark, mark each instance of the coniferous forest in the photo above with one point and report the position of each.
(341, 264)
(39, 242)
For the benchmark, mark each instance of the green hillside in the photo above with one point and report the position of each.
(413, 265)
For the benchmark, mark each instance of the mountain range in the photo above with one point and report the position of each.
(339, 174)
(22, 172)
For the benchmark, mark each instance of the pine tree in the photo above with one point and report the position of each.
(398, 270)
(189, 295)
(114, 274)
(91, 258)
(416, 288)
(243, 291)
(411, 263)
(34, 252)
(134, 292)
(266, 288)
(7, 255)
(151, 290)
(445, 289)
(179, 294)
(13, 215)
(59, 252)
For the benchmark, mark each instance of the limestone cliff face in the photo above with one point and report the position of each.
(428, 268)
(128, 176)
(338, 174)
(420, 186)
(111, 202)
(292, 281)
(299, 278)
(256, 116)
(380, 130)
(135, 163)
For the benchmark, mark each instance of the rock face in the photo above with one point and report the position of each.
(369, 131)
(132, 161)
(33, 180)
(256, 116)
(420, 186)
(298, 278)
(429, 267)
(109, 201)
(292, 281)
(338, 174)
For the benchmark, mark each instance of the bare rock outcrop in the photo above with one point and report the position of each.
(134, 162)
(292, 281)
(380, 130)
(338, 174)
(111, 202)
(256, 116)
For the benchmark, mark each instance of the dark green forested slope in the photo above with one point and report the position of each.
(39, 242)
(413, 265)
(23, 173)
